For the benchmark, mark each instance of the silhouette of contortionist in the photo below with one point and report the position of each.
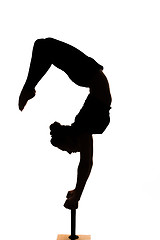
(93, 118)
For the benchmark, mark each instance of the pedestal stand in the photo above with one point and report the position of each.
(73, 235)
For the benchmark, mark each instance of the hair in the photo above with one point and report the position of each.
(60, 133)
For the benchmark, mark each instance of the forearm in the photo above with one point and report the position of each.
(84, 170)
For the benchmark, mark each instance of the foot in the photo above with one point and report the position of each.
(25, 95)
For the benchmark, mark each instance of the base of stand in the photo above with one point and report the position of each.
(66, 237)
(73, 237)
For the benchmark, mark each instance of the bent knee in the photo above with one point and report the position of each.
(38, 45)
(42, 42)
(39, 41)
(43, 47)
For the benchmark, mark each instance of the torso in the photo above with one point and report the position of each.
(100, 88)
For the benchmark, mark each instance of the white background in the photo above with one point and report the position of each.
(122, 196)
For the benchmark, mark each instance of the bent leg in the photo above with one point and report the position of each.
(40, 63)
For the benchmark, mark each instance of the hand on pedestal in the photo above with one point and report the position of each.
(71, 202)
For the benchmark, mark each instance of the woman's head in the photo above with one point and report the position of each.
(64, 137)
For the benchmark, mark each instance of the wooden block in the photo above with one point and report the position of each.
(81, 237)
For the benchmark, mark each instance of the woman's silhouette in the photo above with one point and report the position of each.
(93, 118)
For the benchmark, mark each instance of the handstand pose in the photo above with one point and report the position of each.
(93, 118)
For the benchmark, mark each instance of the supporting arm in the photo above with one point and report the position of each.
(84, 169)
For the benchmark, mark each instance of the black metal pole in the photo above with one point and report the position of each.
(73, 225)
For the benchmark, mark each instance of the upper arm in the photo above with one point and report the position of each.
(86, 148)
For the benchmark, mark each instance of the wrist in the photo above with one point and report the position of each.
(77, 194)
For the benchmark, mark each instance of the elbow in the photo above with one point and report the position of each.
(86, 164)
(89, 165)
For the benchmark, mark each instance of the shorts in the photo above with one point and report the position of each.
(93, 118)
